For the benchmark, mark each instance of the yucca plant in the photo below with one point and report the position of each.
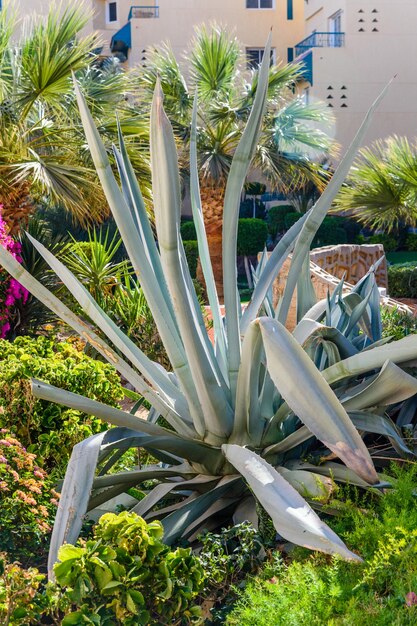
(237, 411)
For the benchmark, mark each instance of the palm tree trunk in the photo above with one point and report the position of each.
(16, 206)
(212, 203)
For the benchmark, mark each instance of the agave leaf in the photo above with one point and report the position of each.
(177, 523)
(293, 518)
(339, 473)
(162, 310)
(306, 296)
(193, 450)
(309, 331)
(237, 175)
(248, 425)
(398, 352)
(160, 491)
(317, 407)
(308, 484)
(407, 412)
(317, 312)
(216, 423)
(135, 477)
(320, 209)
(288, 443)
(75, 495)
(390, 386)
(203, 249)
(381, 425)
(176, 406)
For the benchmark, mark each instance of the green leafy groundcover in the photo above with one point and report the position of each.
(51, 430)
(313, 589)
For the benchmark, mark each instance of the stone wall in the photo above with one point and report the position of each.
(353, 261)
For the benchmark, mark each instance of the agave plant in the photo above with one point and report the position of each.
(241, 411)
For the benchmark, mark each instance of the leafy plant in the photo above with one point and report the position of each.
(411, 242)
(402, 280)
(396, 324)
(307, 590)
(390, 242)
(191, 253)
(125, 575)
(27, 501)
(381, 191)
(244, 412)
(275, 218)
(10, 289)
(20, 602)
(188, 231)
(48, 429)
(251, 239)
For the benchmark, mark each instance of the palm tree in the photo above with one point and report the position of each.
(42, 148)
(226, 90)
(381, 192)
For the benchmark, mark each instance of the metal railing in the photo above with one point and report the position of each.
(320, 40)
(143, 12)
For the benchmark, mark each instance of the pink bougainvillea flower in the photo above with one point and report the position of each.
(411, 598)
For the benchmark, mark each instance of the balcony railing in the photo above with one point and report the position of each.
(320, 40)
(143, 12)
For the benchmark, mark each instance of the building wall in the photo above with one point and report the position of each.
(177, 20)
(355, 74)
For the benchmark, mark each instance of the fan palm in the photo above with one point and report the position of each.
(381, 192)
(226, 91)
(42, 149)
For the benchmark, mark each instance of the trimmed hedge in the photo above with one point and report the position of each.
(389, 242)
(402, 280)
(251, 236)
(330, 233)
(246, 209)
(188, 232)
(191, 252)
(411, 242)
(275, 218)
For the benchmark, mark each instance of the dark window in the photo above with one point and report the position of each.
(112, 11)
(290, 55)
(290, 10)
(254, 57)
(259, 4)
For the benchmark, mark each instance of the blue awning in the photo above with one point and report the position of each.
(306, 61)
(123, 35)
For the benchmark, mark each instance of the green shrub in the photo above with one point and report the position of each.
(389, 242)
(316, 590)
(27, 500)
(402, 280)
(191, 252)
(291, 218)
(126, 576)
(47, 428)
(251, 236)
(188, 231)
(20, 602)
(411, 242)
(275, 218)
(397, 324)
(330, 233)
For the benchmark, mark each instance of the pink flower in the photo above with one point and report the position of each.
(411, 598)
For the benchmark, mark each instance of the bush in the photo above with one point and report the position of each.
(275, 218)
(251, 236)
(397, 324)
(126, 576)
(402, 280)
(389, 242)
(191, 252)
(48, 428)
(20, 602)
(411, 242)
(27, 500)
(316, 589)
(330, 233)
(188, 231)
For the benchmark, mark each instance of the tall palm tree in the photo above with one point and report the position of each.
(381, 191)
(215, 68)
(42, 147)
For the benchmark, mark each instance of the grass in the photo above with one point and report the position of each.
(317, 590)
(405, 256)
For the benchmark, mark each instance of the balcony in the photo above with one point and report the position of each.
(320, 40)
(143, 12)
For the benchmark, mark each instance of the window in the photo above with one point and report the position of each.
(290, 10)
(254, 57)
(259, 4)
(335, 28)
(112, 12)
